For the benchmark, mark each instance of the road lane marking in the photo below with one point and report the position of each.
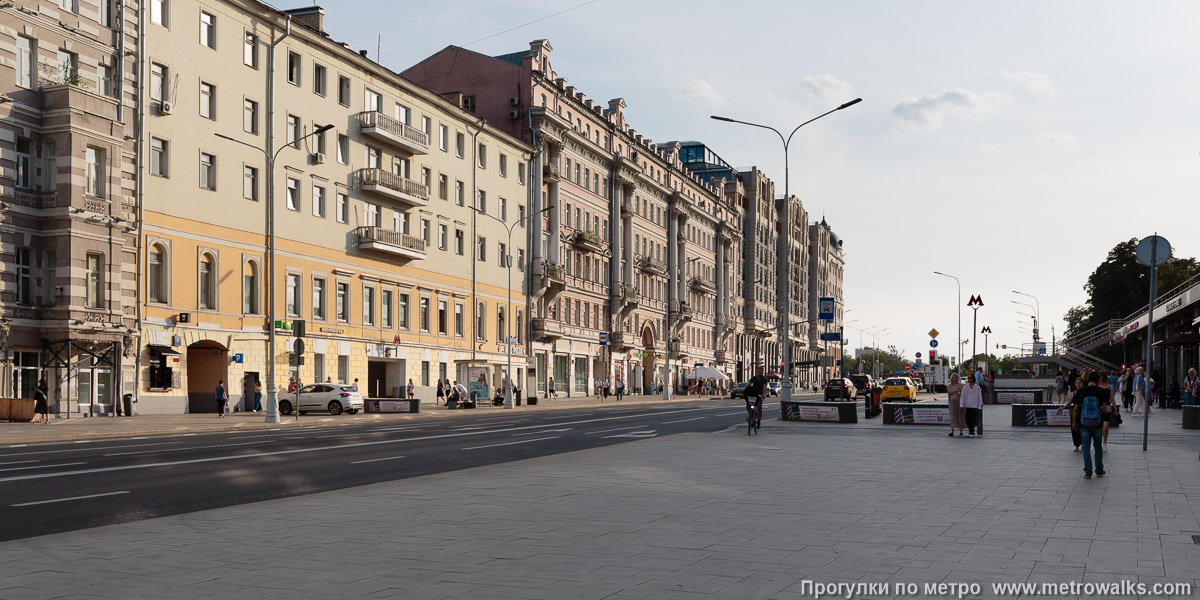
(183, 449)
(69, 499)
(337, 447)
(90, 449)
(634, 434)
(610, 430)
(17, 462)
(544, 431)
(359, 462)
(554, 437)
(43, 466)
(684, 420)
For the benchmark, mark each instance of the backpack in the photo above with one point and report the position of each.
(1089, 415)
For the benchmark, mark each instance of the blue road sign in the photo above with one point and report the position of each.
(833, 336)
(933, 343)
(825, 308)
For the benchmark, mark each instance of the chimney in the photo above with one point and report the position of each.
(312, 17)
(455, 97)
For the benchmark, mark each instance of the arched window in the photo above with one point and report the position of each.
(208, 282)
(520, 327)
(501, 334)
(250, 287)
(481, 321)
(156, 273)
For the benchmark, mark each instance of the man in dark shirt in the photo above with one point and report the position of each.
(1091, 431)
(755, 389)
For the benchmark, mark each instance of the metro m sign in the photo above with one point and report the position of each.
(975, 301)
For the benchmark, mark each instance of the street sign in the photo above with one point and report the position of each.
(918, 356)
(986, 329)
(299, 347)
(603, 338)
(933, 343)
(975, 301)
(825, 308)
(1153, 251)
(933, 333)
(237, 358)
(832, 336)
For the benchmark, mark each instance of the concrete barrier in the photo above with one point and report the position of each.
(1040, 415)
(1191, 417)
(387, 405)
(17, 409)
(829, 412)
(921, 413)
(1021, 396)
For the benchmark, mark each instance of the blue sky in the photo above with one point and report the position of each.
(1011, 144)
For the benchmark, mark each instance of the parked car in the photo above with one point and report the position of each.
(864, 382)
(840, 389)
(899, 388)
(739, 390)
(772, 388)
(332, 397)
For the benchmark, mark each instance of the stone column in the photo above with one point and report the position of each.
(554, 252)
(721, 274)
(627, 232)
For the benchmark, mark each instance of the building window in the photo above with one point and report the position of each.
(519, 332)
(156, 274)
(521, 173)
(318, 79)
(342, 208)
(385, 309)
(503, 206)
(158, 12)
(503, 252)
(482, 156)
(250, 288)
(343, 368)
(458, 242)
(250, 116)
(24, 276)
(374, 157)
(250, 50)
(481, 321)
(368, 305)
(318, 298)
(521, 215)
(458, 319)
(481, 202)
(293, 193)
(424, 314)
(402, 311)
(208, 282)
(250, 182)
(95, 281)
(208, 30)
(427, 126)
(104, 80)
(459, 192)
(503, 165)
(208, 100)
(442, 316)
(343, 302)
(443, 187)
(293, 68)
(158, 157)
(501, 333)
(27, 61)
(481, 250)
(208, 171)
(158, 82)
(343, 149)
(24, 164)
(443, 236)
(443, 137)
(520, 259)
(292, 295)
(460, 144)
(318, 201)
(95, 171)
(343, 90)
(425, 230)
(293, 131)
(371, 214)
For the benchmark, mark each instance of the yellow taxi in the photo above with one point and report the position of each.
(899, 388)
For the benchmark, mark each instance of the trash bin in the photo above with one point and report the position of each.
(532, 401)
(127, 401)
(516, 400)
(873, 402)
(1191, 417)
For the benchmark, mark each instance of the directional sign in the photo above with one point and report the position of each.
(933, 343)
(833, 336)
(933, 333)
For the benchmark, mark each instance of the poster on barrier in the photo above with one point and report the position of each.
(1014, 397)
(921, 416)
(819, 413)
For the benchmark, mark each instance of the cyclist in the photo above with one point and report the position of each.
(755, 389)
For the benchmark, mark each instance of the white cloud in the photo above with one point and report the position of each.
(827, 89)
(698, 93)
(1063, 140)
(1034, 82)
(930, 111)
(984, 147)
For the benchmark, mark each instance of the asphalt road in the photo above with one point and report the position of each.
(52, 488)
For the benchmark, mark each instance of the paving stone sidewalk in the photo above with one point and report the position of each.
(721, 515)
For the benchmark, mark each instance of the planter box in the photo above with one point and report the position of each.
(17, 409)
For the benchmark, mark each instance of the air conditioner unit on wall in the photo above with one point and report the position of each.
(318, 158)
(514, 114)
(164, 108)
(514, 101)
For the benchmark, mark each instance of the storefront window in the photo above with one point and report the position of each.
(581, 375)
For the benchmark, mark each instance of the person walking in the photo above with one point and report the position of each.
(954, 395)
(441, 392)
(620, 388)
(412, 389)
(1076, 437)
(1107, 411)
(257, 396)
(1060, 388)
(291, 385)
(1191, 385)
(1125, 387)
(972, 404)
(222, 397)
(602, 389)
(40, 403)
(550, 391)
(1086, 407)
(1139, 392)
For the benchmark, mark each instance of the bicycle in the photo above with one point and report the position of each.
(752, 411)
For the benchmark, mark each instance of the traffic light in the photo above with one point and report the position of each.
(997, 345)
(932, 355)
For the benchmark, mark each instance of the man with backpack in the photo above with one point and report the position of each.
(1086, 407)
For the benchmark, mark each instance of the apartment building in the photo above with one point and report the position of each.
(826, 269)
(627, 252)
(67, 202)
(391, 229)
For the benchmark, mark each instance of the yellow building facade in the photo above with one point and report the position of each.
(391, 228)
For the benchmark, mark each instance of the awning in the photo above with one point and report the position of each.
(162, 349)
(1181, 339)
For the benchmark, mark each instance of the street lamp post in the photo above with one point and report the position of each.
(783, 297)
(272, 415)
(508, 386)
(1037, 311)
(879, 335)
(959, 314)
(1036, 322)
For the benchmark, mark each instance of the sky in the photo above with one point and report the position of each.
(1009, 143)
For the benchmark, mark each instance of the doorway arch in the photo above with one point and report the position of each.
(207, 363)
(649, 357)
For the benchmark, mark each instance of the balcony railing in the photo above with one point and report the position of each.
(588, 241)
(551, 171)
(383, 127)
(649, 265)
(394, 187)
(35, 199)
(394, 242)
(703, 285)
(549, 329)
(553, 272)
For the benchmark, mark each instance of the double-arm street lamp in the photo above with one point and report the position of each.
(783, 298)
(508, 262)
(960, 337)
(875, 337)
(272, 415)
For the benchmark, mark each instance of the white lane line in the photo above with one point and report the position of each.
(183, 449)
(553, 437)
(608, 430)
(359, 462)
(69, 499)
(634, 434)
(740, 412)
(543, 431)
(18, 445)
(337, 447)
(18, 462)
(683, 420)
(90, 449)
(43, 466)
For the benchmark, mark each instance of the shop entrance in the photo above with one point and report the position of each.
(206, 365)
(385, 379)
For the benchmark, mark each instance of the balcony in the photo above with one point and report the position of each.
(703, 284)
(34, 199)
(627, 205)
(551, 171)
(392, 242)
(549, 281)
(393, 187)
(726, 323)
(547, 329)
(651, 266)
(682, 313)
(386, 129)
(586, 240)
(622, 341)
